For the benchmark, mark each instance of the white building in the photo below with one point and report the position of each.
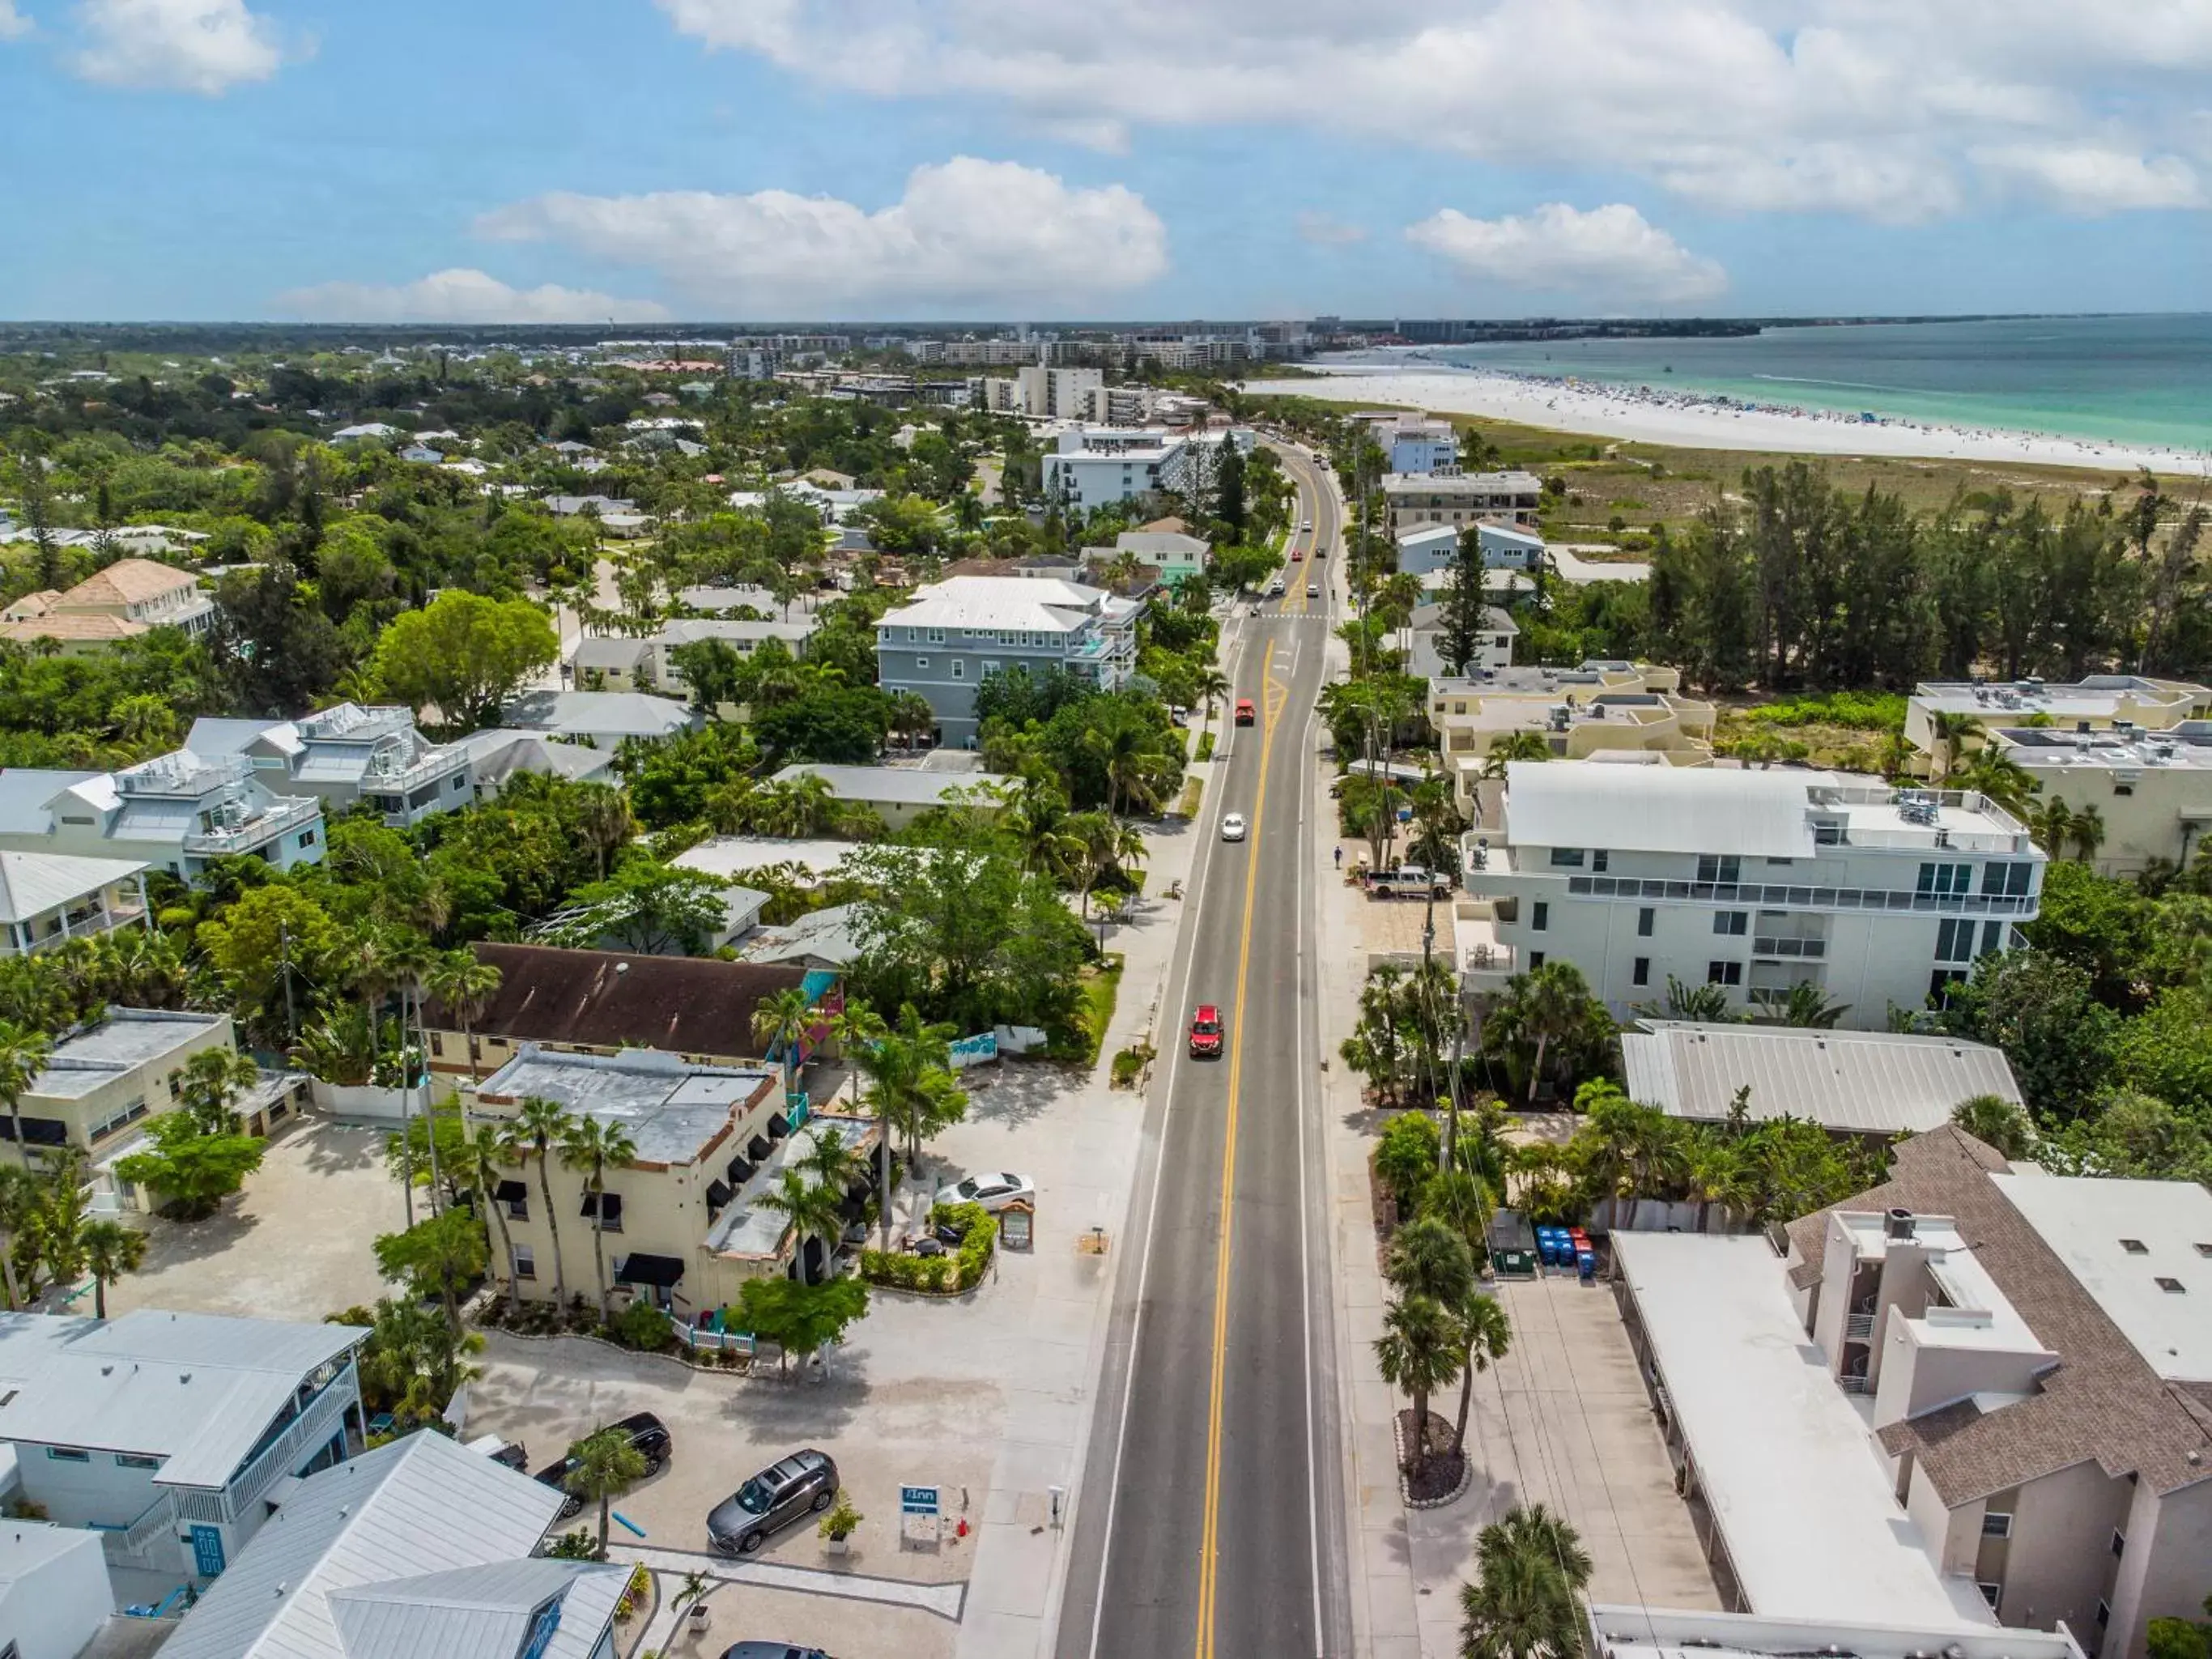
(1093, 465)
(47, 899)
(1428, 549)
(1752, 880)
(2151, 790)
(55, 1596)
(130, 597)
(175, 812)
(1460, 499)
(1416, 443)
(345, 757)
(1044, 391)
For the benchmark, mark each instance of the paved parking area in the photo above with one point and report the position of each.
(295, 1244)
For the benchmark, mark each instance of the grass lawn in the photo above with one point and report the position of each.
(1102, 987)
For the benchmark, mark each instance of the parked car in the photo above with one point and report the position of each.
(804, 1482)
(647, 1433)
(992, 1192)
(771, 1650)
(1206, 1032)
(1409, 881)
(1232, 826)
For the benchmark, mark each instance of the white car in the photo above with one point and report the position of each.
(1306, 524)
(1232, 826)
(992, 1192)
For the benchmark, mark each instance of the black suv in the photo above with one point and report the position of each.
(647, 1433)
(779, 1495)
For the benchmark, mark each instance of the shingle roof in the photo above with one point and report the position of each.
(127, 581)
(1869, 1082)
(83, 626)
(682, 1005)
(595, 714)
(2101, 1403)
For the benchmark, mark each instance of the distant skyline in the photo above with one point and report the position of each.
(644, 161)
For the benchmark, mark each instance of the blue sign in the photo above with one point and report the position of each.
(206, 1551)
(917, 1500)
(975, 1050)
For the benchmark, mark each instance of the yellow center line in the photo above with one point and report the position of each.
(1275, 708)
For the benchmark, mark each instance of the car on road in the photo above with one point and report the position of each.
(1207, 1034)
(1305, 524)
(804, 1482)
(648, 1434)
(1245, 713)
(771, 1650)
(1313, 590)
(1232, 826)
(1296, 553)
(1275, 588)
(993, 1192)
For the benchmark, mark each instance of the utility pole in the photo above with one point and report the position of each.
(284, 972)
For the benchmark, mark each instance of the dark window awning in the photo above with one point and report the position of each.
(513, 1192)
(740, 1171)
(717, 1194)
(757, 1149)
(777, 1128)
(641, 1269)
(613, 1216)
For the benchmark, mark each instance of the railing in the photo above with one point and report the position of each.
(436, 764)
(278, 817)
(1817, 898)
(1853, 1385)
(1859, 1327)
(160, 1517)
(311, 1426)
(1790, 947)
(102, 921)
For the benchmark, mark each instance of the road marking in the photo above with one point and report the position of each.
(1210, 1532)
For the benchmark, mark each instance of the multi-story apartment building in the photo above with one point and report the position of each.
(2151, 791)
(346, 757)
(2036, 1369)
(168, 1433)
(1093, 465)
(1461, 498)
(1416, 443)
(682, 1223)
(176, 812)
(1046, 392)
(958, 632)
(1428, 549)
(2120, 703)
(1599, 708)
(104, 1078)
(1752, 880)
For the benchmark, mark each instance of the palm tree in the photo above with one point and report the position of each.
(831, 1161)
(1995, 774)
(412, 958)
(20, 1198)
(1998, 1124)
(1128, 751)
(607, 1463)
(487, 1153)
(542, 1125)
(911, 716)
(791, 807)
(466, 986)
(1519, 746)
(1951, 732)
(1808, 1007)
(810, 1209)
(1485, 1334)
(604, 820)
(1705, 1003)
(2086, 832)
(592, 1148)
(2051, 826)
(1549, 1002)
(779, 1020)
(23, 1055)
(1428, 1257)
(1529, 1569)
(210, 1084)
(1209, 687)
(1418, 1354)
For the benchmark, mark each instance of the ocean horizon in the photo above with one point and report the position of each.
(2138, 379)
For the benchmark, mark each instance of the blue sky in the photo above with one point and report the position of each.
(762, 159)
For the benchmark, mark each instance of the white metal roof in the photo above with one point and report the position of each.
(1869, 1082)
(1660, 809)
(903, 786)
(488, 1609)
(1795, 1487)
(32, 883)
(2085, 1221)
(1028, 604)
(419, 1506)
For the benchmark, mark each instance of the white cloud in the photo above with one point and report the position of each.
(206, 47)
(1610, 254)
(1324, 231)
(14, 26)
(462, 296)
(1889, 109)
(967, 235)
(2086, 179)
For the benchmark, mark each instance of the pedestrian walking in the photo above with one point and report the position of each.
(1339, 858)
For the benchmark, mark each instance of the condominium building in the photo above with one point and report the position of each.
(1755, 881)
(2030, 1356)
(176, 812)
(1603, 708)
(682, 1222)
(1461, 498)
(1091, 466)
(1044, 391)
(2128, 703)
(955, 633)
(103, 1078)
(1416, 443)
(2150, 790)
(345, 757)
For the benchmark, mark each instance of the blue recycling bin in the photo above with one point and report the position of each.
(1586, 1268)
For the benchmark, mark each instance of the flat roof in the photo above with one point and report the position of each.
(2184, 748)
(672, 1110)
(124, 1039)
(1789, 1468)
(745, 1228)
(1637, 1632)
(1661, 810)
(2091, 1226)
(902, 786)
(737, 855)
(2091, 696)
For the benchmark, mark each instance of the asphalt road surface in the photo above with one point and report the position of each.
(1213, 1517)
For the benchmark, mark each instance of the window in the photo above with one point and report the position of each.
(2171, 1287)
(526, 1262)
(129, 1114)
(1598, 859)
(2203, 1249)
(1943, 880)
(2120, 1543)
(1724, 973)
(2004, 880)
(68, 1454)
(1990, 1593)
(921, 662)
(1996, 1524)
(1644, 920)
(1642, 974)
(1955, 940)
(2135, 1246)
(307, 838)
(1569, 857)
(1539, 916)
(1535, 960)
(2103, 1613)
(1993, 933)
(1941, 982)
(1730, 922)
(1725, 870)
(136, 1461)
(936, 636)
(959, 669)
(2123, 789)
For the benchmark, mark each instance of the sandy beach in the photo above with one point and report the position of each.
(1696, 421)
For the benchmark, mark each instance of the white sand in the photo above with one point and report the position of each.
(1696, 421)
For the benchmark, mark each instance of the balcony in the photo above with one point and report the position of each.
(1859, 1327)
(83, 923)
(1896, 900)
(1794, 949)
(316, 1423)
(260, 822)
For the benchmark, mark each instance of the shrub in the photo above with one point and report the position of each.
(960, 1271)
(841, 1521)
(1405, 1157)
(1129, 1065)
(577, 1544)
(1206, 745)
(641, 1326)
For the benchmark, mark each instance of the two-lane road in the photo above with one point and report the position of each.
(1212, 1519)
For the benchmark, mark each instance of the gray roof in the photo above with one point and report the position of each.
(24, 792)
(32, 883)
(124, 1040)
(197, 1390)
(213, 735)
(499, 752)
(686, 630)
(601, 713)
(829, 937)
(420, 1506)
(615, 652)
(1867, 1082)
(1660, 809)
(672, 1110)
(900, 785)
(468, 1611)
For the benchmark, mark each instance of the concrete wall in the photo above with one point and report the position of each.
(54, 1611)
(1950, 1537)
(2058, 1562)
(2166, 1568)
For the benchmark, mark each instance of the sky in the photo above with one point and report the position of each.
(758, 161)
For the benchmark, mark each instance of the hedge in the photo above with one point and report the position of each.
(945, 1275)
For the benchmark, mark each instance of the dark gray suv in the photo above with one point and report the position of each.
(780, 1494)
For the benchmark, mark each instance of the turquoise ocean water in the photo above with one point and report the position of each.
(2122, 380)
